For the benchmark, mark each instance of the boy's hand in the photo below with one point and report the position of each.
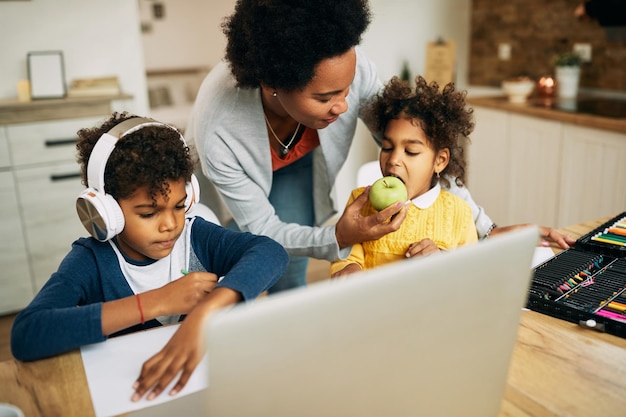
(184, 351)
(182, 295)
(423, 247)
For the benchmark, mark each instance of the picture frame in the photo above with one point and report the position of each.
(46, 73)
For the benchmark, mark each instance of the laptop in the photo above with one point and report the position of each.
(428, 336)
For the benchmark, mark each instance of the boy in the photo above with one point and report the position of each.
(148, 263)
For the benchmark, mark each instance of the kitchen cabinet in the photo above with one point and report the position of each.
(525, 169)
(488, 173)
(48, 182)
(594, 174)
(5, 161)
(534, 152)
(39, 183)
(15, 279)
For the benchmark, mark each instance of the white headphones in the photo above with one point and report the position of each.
(98, 211)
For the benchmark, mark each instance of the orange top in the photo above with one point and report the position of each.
(309, 141)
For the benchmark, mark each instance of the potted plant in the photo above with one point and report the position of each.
(567, 72)
(567, 59)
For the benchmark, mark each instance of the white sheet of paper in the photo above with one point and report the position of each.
(113, 366)
(541, 255)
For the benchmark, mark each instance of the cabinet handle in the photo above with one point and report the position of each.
(61, 177)
(60, 142)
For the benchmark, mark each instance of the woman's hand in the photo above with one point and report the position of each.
(347, 270)
(548, 235)
(423, 247)
(184, 351)
(352, 227)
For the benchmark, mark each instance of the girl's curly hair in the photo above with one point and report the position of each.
(281, 42)
(442, 115)
(149, 157)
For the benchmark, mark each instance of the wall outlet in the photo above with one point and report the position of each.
(584, 50)
(504, 51)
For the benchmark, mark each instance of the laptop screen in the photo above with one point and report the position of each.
(430, 336)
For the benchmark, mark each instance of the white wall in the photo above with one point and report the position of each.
(98, 38)
(189, 35)
(401, 29)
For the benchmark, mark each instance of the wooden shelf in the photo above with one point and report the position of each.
(13, 111)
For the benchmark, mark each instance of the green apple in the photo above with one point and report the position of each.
(387, 191)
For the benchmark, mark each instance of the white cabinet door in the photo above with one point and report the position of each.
(47, 179)
(5, 159)
(15, 281)
(594, 180)
(488, 163)
(39, 183)
(529, 170)
(45, 142)
(48, 202)
(535, 158)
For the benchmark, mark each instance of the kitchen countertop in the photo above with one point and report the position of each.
(579, 112)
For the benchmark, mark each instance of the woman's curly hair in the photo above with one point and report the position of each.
(442, 115)
(149, 157)
(281, 42)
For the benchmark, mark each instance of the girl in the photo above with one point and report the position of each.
(422, 129)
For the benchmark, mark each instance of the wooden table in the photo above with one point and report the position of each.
(560, 369)
(54, 387)
(557, 369)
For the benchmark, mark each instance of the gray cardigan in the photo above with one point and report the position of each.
(228, 128)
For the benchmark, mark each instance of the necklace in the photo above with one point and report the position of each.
(285, 148)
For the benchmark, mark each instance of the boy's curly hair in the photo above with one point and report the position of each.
(148, 157)
(280, 42)
(442, 115)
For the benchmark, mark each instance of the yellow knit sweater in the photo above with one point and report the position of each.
(448, 222)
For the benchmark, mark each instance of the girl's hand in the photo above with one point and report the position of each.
(353, 227)
(423, 247)
(347, 270)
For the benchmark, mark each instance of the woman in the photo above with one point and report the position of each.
(272, 130)
(274, 124)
